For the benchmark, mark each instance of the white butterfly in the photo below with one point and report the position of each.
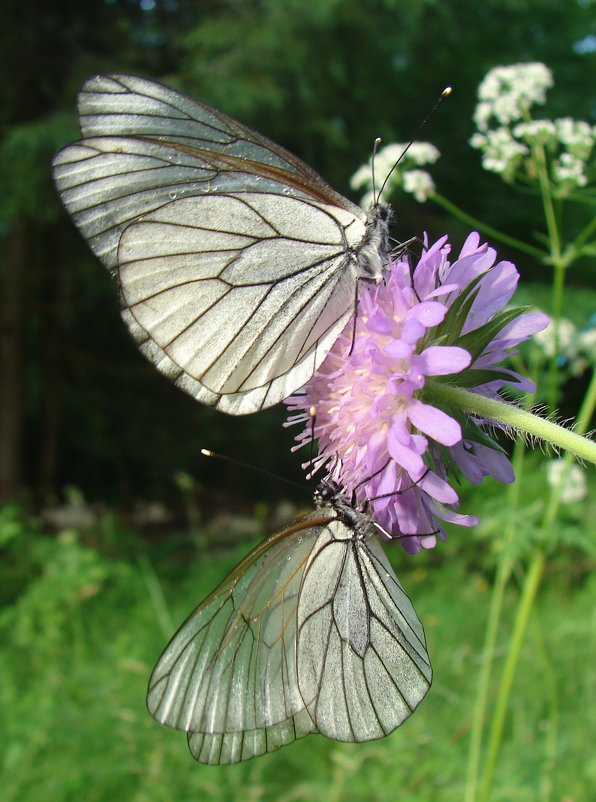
(237, 264)
(311, 632)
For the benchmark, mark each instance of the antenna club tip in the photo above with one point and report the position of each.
(447, 91)
(206, 453)
(312, 412)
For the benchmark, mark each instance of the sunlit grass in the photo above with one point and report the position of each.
(81, 637)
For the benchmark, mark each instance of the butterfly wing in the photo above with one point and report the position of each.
(231, 299)
(228, 676)
(361, 652)
(193, 211)
(128, 105)
(232, 747)
(145, 144)
(311, 632)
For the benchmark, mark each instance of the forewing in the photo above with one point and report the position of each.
(361, 649)
(228, 676)
(156, 188)
(127, 105)
(145, 144)
(237, 297)
(108, 182)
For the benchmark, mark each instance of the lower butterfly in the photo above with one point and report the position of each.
(311, 633)
(237, 264)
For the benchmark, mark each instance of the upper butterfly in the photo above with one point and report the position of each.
(237, 264)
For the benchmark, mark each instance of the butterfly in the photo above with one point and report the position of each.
(237, 265)
(311, 633)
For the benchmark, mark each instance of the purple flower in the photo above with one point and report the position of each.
(379, 437)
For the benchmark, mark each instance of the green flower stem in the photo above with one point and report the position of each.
(556, 311)
(548, 205)
(442, 394)
(502, 576)
(530, 588)
(529, 592)
(584, 237)
(503, 573)
(551, 738)
(586, 410)
(518, 244)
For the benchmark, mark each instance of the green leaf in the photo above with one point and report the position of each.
(477, 340)
(458, 312)
(474, 378)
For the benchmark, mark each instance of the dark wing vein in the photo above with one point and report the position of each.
(148, 149)
(125, 105)
(231, 668)
(360, 650)
(126, 178)
(251, 332)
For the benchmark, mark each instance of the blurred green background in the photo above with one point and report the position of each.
(111, 520)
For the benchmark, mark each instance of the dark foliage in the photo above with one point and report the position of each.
(324, 78)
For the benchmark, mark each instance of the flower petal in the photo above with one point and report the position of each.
(376, 435)
(438, 488)
(404, 456)
(441, 360)
(435, 423)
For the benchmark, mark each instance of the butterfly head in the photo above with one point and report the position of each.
(329, 494)
(326, 492)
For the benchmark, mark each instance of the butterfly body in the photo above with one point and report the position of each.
(312, 632)
(237, 264)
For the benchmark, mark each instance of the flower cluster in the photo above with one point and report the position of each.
(507, 93)
(501, 152)
(408, 175)
(380, 436)
(573, 348)
(569, 480)
(505, 97)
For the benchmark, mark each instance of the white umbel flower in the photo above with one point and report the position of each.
(506, 93)
(401, 169)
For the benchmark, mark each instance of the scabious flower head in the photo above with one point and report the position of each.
(378, 435)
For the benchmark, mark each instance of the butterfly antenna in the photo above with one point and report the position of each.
(233, 461)
(376, 195)
(372, 476)
(392, 492)
(444, 94)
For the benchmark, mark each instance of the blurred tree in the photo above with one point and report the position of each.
(40, 53)
(326, 77)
